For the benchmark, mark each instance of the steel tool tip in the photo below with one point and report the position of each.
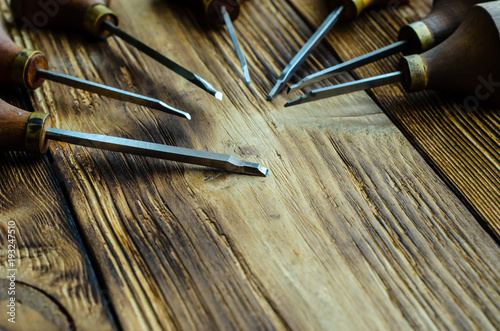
(219, 96)
(174, 111)
(255, 169)
(276, 89)
(295, 87)
(297, 101)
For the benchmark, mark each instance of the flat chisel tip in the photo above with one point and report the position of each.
(255, 169)
(219, 96)
(171, 110)
(296, 102)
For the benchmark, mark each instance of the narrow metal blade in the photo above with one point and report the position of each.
(185, 155)
(350, 65)
(237, 46)
(111, 92)
(305, 51)
(195, 79)
(359, 85)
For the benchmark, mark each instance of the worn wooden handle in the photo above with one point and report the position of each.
(212, 8)
(467, 62)
(23, 131)
(19, 66)
(352, 8)
(443, 20)
(85, 15)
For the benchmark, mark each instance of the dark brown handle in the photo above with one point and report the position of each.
(22, 131)
(443, 20)
(85, 15)
(467, 62)
(19, 66)
(352, 8)
(212, 8)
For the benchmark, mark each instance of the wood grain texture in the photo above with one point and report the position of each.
(351, 230)
(56, 288)
(460, 141)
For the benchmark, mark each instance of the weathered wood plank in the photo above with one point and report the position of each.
(461, 143)
(55, 286)
(352, 229)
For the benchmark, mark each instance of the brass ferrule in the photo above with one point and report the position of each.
(35, 141)
(424, 35)
(360, 6)
(206, 4)
(20, 67)
(95, 16)
(417, 73)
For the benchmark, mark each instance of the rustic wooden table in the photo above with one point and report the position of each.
(381, 210)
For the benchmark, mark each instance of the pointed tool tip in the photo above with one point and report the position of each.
(293, 88)
(174, 111)
(255, 169)
(294, 102)
(219, 96)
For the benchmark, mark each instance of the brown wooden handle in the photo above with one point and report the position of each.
(443, 20)
(467, 62)
(22, 131)
(19, 66)
(352, 8)
(85, 15)
(212, 8)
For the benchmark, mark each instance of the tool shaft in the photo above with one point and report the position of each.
(305, 51)
(359, 85)
(237, 46)
(110, 92)
(350, 65)
(185, 155)
(183, 72)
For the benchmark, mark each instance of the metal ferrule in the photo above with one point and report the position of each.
(417, 73)
(95, 16)
(20, 66)
(35, 141)
(424, 35)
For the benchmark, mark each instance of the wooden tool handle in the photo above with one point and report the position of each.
(443, 20)
(85, 15)
(212, 8)
(23, 131)
(467, 62)
(352, 8)
(19, 66)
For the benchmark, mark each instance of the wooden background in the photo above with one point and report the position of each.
(380, 211)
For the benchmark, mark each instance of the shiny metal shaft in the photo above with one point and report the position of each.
(302, 55)
(237, 46)
(111, 92)
(185, 155)
(359, 85)
(350, 65)
(195, 79)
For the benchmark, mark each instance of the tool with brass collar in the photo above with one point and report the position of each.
(96, 18)
(345, 10)
(414, 38)
(466, 63)
(29, 68)
(32, 132)
(223, 12)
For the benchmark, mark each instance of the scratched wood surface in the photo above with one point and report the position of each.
(56, 288)
(460, 141)
(352, 229)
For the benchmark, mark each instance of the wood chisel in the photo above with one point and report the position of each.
(29, 68)
(345, 10)
(466, 63)
(31, 132)
(96, 18)
(414, 38)
(223, 12)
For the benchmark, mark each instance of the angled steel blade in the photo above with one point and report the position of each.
(111, 92)
(359, 85)
(304, 52)
(185, 155)
(195, 79)
(237, 46)
(350, 65)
